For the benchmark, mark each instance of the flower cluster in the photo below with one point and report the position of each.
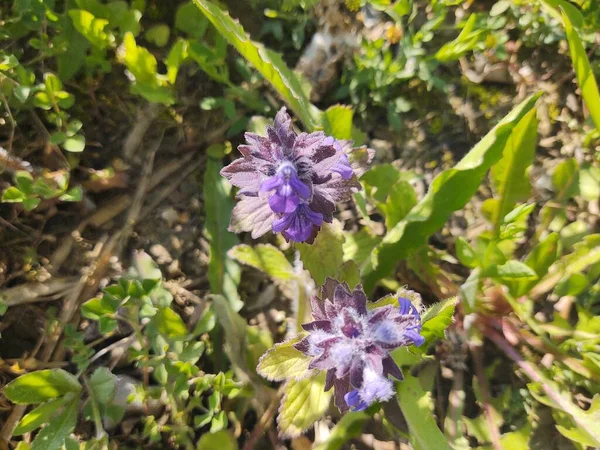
(352, 343)
(289, 183)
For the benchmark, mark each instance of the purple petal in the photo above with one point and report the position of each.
(342, 387)
(375, 388)
(351, 328)
(300, 223)
(303, 345)
(251, 214)
(356, 373)
(284, 203)
(343, 167)
(321, 325)
(354, 401)
(391, 368)
(318, 308)
(415, 337)
(329, 379)
(328, 288)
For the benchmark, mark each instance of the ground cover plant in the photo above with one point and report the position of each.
(327, 224)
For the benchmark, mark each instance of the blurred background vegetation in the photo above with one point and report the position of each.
(131, 318)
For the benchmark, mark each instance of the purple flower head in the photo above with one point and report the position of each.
(353, 343)
(289, 183)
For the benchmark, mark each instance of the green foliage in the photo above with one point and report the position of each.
(585, 75)
(304, 402)
(268, 63)
(37, 387)
(323, 258)
(449, 191)
(223, 272)
(417, 407)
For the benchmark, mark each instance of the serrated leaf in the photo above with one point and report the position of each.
(417, 407)
(284, 361)
(223, 272)
(509, 175)
(305, 401)
(324, 257)
(42, 385)
(269, 63)
(53, 435)
(583, 70)
(39, 416)
(448, 192)
(436, 319)
(266, 258)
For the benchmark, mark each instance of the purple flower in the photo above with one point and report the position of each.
(289, 183)
(352, 343)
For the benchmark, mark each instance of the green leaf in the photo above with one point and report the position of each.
(269, 63)
(42, 100)
(39, 416)
(349, 427)
(465, 253)
(236, 332)
(358, 246)
(585, 75)
(305, 401)
(417, 407)
(177, 55)
(53, 436)
(448, 192)
(466, 41)
(511, 270)
(158, 35)
(74, 194)
(509, 175)
(223, 272)
(37, 387)
(74, 144)
(97, 307)
(92, 28)
(324, 257)
(103, 385)
(539, 259)
(190, 20)
(400, 200)
(565, 179)
(266, 258)
(13, 195)
(350, 274)
(573, 285)
(554, 7)
(284, 361)
(139, 61)
(589, 182)
(222, 440)
(31, 203)
(57, 137)
(337, 121)
(436, 319)
(169, 324)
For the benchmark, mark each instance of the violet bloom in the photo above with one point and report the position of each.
(352, 343)
(289, 183)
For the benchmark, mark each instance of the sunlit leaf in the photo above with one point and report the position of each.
(585, 75)
(42, 385)
(269, 63)
(284, 361)
(448, 192)
(324, 257)
(305, 401)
